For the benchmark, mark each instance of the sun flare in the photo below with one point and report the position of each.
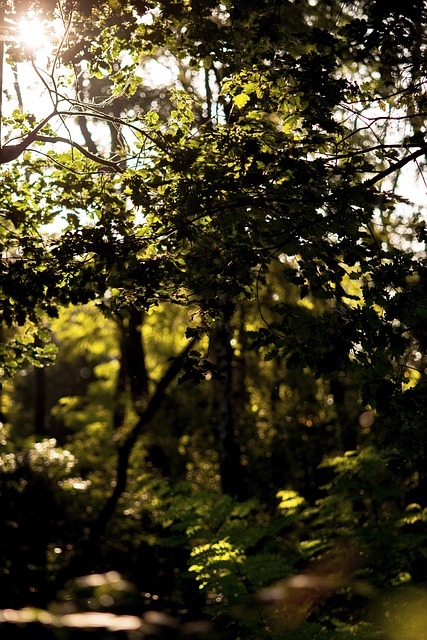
(31, 33)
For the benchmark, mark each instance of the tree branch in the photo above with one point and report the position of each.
(395, 167)
(9, 153)
(12, 152)
(95, 158)
(127, 447)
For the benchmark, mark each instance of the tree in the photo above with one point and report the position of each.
(259, 203)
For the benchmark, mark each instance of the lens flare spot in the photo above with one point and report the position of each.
(31, 33)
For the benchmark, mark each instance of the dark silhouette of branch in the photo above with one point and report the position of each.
(92, 111)
(115, 166)
(396, 166)
(9, 153)
(13, 151)
(126, 448)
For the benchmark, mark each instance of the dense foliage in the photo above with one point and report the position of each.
(213, 344)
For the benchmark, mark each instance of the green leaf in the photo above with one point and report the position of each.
(241, 99)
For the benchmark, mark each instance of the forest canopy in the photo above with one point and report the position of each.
(213, 319)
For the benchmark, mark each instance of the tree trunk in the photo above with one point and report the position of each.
(39, 416)
(40, 401)
(132, 376)
(223, 415)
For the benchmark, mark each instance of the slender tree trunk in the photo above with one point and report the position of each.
(82, 122)
(132, 376)
(223, 415)
(137, 371)
(39, 415)
(40, 401)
